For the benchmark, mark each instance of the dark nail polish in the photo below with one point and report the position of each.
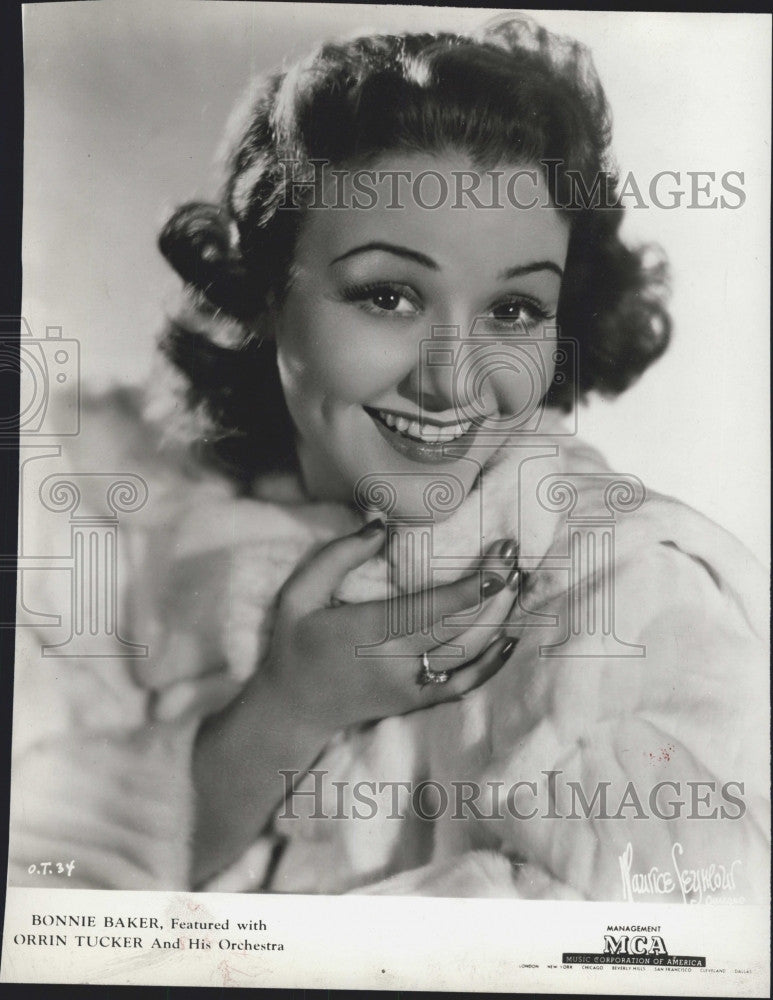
(495, 549)
(372, 528)
(514, 578)
(491, 585)
(508, 550)
(508, 647)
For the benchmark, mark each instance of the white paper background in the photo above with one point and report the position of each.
(125, 106)
(497, 945)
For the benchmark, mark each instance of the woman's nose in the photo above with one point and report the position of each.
(442, 381)
(430, 384)
(436, 387)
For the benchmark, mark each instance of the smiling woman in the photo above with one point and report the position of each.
(405, 108)
(387, 551)
(368, 288)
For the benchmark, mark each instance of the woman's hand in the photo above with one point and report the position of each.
(334, 666)
(315, 681)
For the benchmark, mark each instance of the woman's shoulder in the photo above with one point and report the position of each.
(579, 520)
(692, 549)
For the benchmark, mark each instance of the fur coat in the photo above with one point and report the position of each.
(637, 691)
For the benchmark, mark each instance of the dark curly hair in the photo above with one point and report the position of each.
(512, 94)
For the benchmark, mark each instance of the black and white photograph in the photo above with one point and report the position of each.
(393, 527)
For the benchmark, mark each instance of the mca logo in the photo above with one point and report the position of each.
(634, 944)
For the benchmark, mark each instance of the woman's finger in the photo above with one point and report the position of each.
(409, 621)
(313, 584)
(473, 639)
(472, 635)
(494, 574)
(489, 608)
(415, 622)
(467, 594)
(471, 676)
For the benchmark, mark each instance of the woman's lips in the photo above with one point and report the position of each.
(423, 451)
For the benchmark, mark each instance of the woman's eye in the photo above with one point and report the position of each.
(391, 301)
(519, 312)
(383, 299)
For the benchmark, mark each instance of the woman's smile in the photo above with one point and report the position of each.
(423, 440)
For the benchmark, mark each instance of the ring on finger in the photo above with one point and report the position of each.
(427, 675)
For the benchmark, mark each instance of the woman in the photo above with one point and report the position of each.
(415, 269)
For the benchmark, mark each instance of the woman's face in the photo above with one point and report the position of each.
(412, 338)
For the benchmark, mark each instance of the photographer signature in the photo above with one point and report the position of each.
(696, 885)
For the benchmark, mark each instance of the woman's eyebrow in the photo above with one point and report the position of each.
(425, 261)
(393, 248)
(537, 265)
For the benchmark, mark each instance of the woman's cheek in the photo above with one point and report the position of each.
(344, 359)
(522, 385)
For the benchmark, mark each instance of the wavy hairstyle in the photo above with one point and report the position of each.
(512, 94)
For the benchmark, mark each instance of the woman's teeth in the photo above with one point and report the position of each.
(431, 433)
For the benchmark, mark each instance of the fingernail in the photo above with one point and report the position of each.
(508, 549)
(508, 647)
(371, 528)
(514, 578)
(491, 585)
